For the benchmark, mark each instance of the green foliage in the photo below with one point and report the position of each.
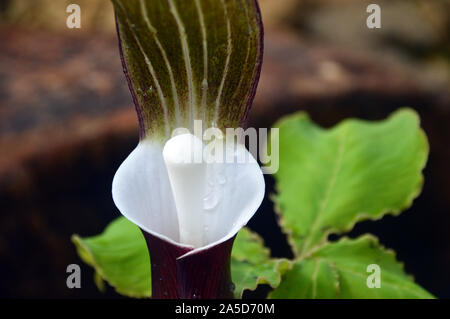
(120, 256)
(251, 263)
(339, 270)
(329, 179)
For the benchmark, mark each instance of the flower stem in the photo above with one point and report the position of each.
(184, 273)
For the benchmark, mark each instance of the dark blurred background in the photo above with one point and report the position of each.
(67, 122)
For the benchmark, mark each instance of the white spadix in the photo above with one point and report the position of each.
(183, 156)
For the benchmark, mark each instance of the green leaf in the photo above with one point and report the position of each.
(119, 255)
(308, 279)
(339, 270)
(329, 179)
(251, 264)
(188, 60)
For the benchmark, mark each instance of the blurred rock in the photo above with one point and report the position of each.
(58, 90)
(274, 11)
(96, 15)
(414, 35)
(332, 82)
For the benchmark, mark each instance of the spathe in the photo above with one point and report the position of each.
(143, 193)
(184, 61)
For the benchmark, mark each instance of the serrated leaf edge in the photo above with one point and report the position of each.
(255, 237)
(370, 237)
(375, 240)
(360, 216)
(278, 265)
(262, 280)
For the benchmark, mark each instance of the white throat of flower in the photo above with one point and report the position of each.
(188, 192)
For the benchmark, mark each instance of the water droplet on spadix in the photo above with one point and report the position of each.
(187, 178)
(221, 179)
(215, 185)
(211, 200)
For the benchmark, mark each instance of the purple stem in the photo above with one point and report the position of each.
(204, 274)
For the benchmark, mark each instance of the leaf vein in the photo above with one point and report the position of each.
(332, 181)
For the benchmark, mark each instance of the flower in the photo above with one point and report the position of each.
(193, 205)
(189, 211)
